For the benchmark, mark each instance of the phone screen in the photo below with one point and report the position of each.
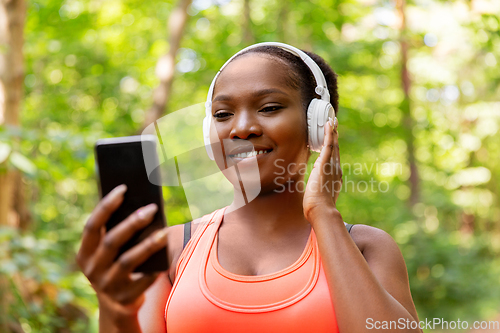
(121, 161)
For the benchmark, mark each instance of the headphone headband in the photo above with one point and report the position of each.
(321, 87)
(318, 110)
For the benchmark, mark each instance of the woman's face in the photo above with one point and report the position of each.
(252, 103)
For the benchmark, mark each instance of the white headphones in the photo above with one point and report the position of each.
(318, 110)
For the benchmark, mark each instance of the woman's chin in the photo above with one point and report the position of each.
(244, 180)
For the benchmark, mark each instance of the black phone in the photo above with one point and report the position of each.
(121, 161)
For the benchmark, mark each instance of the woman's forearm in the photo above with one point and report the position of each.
(356, 293)
(108, 324)
(116, 319)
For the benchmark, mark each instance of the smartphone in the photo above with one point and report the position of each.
(121, 161)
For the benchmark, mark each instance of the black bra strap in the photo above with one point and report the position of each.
(187, 233)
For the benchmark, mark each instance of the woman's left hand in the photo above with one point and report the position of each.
(325, 180)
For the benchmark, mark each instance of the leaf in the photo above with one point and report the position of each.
(4, 151)
(22, 163)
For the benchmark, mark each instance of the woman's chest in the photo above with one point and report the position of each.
(290, 298)
(208, 298)
(244, 257)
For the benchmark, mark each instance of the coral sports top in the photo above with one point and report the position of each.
(207, 298)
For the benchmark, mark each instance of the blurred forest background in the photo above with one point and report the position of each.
(419, 87)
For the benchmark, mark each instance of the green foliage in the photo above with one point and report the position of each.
(49, 294)
(456, 278)
(90, 73)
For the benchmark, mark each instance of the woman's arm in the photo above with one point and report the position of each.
(151, 314)
(365, 288)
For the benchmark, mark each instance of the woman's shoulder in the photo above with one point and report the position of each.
(372, 240)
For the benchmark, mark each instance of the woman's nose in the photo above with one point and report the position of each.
(245, 126)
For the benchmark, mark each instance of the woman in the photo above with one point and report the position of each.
(284, 261)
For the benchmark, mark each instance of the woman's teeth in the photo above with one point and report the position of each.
(251, 153)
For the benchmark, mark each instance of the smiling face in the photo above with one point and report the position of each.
(252, 102)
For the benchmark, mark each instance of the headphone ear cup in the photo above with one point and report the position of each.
(317, 116)
(310, 124)
(312, 112)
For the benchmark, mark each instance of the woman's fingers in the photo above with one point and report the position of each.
(336, 152)
(329, 159)
(326, 151)
(338, 170)
(92, 232)
(121, 233)
(132, 258)
(131, 294)
(114, 281)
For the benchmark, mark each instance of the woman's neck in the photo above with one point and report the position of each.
(269, 213)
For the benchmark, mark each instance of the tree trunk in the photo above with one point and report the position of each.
(468, 223)
(406, 106)
(248, 37)
(12, 18)
(165, 68)
(282, 27)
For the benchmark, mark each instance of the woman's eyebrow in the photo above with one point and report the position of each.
(259, 93)
(269, 91)
(221, 98)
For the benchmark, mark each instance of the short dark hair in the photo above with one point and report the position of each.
(301, 77)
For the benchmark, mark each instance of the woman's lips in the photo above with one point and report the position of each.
(258, 157)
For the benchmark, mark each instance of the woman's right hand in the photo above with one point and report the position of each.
(120, 291)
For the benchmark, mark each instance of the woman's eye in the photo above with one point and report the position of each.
(272, 108)
(221, 114)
